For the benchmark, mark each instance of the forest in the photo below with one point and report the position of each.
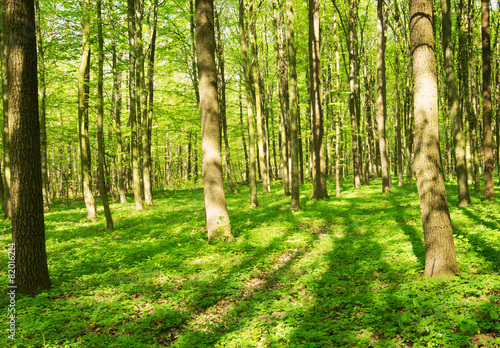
(250, 173)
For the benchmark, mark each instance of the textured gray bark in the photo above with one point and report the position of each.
(28, 228)
(440, 259)
(216, 214)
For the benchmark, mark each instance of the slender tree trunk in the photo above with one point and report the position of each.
(453, 102)
(217, 217)
(250, 119)
(247, 169)
(7, 206)
(381, 99)
(318, 155)
(259, 115)
(489, 163)
(282, 81)
(133, 106)
(337, 125)
(28, 228)
(142, 109)
(462, 19)
(151, 69)
(222, 101)
(42, 92)
(100, 117)
(399, 147)
(356, 162)
(440, 259)
(82, 106)
(294, 107)
(117, 105)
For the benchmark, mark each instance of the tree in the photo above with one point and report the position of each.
(133, 105)
(440, 259)
(455, 111)
(250, 119)
(381, 99)
(100, 116)
(43, 129)
(294, 107)
(142, 108)
(489, 163)
(82, 110)
(318, 154)
(216, 214)
(7, 206)
(28, 228)
(259, 114)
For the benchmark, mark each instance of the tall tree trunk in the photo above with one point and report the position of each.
(294, 107)
(133, 106)
(337, 125)
(82, 106)
(453, 102)
(7, 206)
(259, 115)
(282, 80)
(399, 147)
(151, 67)
(356, 161)
(250, 120)
(28, 228)
(116, 110)
(217, 217)
(43, 130)
(463, 42)
(247, 169)
(440, 259)
(489, 163)
(381, 99)
(142, 109)
(222, 99)
(318, 155)
(100, 117)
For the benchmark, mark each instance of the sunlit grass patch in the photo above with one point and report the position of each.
(342, 272)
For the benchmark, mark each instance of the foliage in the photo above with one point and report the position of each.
(343, 272)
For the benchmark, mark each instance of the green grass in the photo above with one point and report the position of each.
(342, 272)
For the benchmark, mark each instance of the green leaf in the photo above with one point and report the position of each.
(493, 314)
(405, 318)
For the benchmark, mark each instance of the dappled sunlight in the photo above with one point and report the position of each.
(341, 272)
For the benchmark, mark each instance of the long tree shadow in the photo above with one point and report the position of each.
(487, 251)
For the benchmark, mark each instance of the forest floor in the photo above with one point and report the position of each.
(342, 272)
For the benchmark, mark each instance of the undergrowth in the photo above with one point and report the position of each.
(342, 272)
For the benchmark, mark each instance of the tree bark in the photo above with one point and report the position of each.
(133, 106)
(489, 163)
(82, 110)
(454, 105)
(259, 115)
(282, 80)
(142, 109)
(116, 112)
(381, 99)
(100, 117)
(7, 206)
(28, 228)
(222, 99)
(294, 107)
(440, 259)
(43, 129)
(356, 161)
(250, 119)
(217, 216)
(318, 155)
(151, 69)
